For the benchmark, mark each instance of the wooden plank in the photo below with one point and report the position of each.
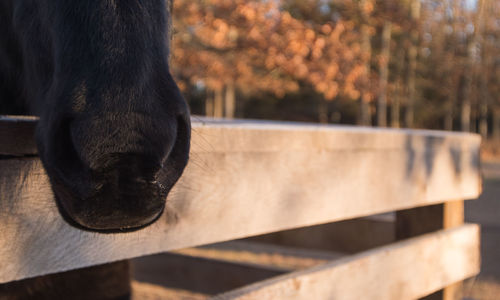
(411, 269)
(17, 135)
(416, 221)
(286, 258)
(245, 178)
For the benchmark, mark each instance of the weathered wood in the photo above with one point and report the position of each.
(17, 135)
(416, 221)
(245, 178)
(411, 269)
(257, 253)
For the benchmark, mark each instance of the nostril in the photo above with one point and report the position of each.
(127, 173)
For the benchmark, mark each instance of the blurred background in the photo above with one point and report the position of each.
(432, 64)
(408, 63)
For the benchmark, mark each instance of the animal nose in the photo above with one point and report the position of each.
(125, 193)
(109, 178)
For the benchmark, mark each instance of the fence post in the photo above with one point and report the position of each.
(421, 220)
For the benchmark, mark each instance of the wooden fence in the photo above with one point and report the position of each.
(247, 178)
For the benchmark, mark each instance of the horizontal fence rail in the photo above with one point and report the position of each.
(408, 269)
(244, 178)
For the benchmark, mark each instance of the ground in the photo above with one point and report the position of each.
(486, 212)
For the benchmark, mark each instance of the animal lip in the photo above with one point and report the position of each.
(106, 207)
(106, 228)
(114, 224)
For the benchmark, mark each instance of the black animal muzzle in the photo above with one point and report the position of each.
(121, 190)
(124, 194)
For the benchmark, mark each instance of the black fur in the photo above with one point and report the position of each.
(114, 130)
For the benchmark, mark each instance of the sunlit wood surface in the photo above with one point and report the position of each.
(406, 270)
(244, 178)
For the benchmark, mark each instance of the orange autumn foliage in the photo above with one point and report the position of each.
(258, 46)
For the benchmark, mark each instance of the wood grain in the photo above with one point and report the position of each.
(420, 220)
(404, 270)
(245, 178)
(257, 253)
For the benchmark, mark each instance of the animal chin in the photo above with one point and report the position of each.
(107, 212)
(116, 227)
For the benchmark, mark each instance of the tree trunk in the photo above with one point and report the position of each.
(486, 62)
(473, 119)
(398, 91)
(366, 49)
(395, 110)
(365, 114)
(466, 113)
(469, 71)
(230, 105)
(496, 124)
(448, 116)
(384, 74)
(483, 102)
(450, 65)
(323, 111)
(483, 119)
(209, 104)
(449, 105)
(412, 64)
(218, 103)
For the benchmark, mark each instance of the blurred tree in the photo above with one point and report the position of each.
(384, 74)
(450, 59)
(366, 8)
(490, 70)
(412, 61)
(258, 46)
(388, 16)
(472, 61)
(434, 62)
